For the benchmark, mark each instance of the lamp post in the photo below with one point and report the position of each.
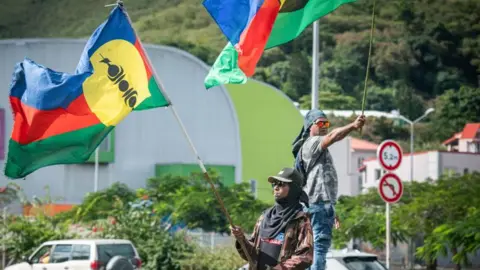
(412, 123)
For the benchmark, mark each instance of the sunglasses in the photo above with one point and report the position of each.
(278, 183)
(322, 124)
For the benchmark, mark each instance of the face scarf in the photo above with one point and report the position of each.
(277, 217)
(310, 118)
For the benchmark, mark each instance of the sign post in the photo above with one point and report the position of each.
(390, 186)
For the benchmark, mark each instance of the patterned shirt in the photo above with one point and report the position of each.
(322, 182)
(296, 252)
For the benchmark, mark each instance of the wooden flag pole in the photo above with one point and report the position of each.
(185, 133)
(372, 28)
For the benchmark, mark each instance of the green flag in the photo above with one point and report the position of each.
(292, 18)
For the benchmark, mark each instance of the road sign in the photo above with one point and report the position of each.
(390, 154)
(390, 188)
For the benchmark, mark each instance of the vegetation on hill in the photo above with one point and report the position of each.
(425, 51)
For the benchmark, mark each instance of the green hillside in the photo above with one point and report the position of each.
(423, 48)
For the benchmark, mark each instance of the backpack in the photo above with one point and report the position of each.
(299, 165)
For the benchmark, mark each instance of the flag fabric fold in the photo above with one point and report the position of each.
(251, 26)
(61, 118)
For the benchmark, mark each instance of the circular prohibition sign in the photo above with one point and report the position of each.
(390, 188)
(390, 155)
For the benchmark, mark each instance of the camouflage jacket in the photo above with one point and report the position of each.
(297, 249)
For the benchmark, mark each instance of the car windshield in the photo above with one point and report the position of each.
(363, 263)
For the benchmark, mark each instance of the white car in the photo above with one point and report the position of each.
(89, 254)
(352, 260)
(348, 260)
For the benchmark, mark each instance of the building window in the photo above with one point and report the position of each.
(473, 147)
(360, 183)
(465, 171)
(378, 174)
(360, 162)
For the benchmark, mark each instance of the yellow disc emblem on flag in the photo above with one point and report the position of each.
(119, 82)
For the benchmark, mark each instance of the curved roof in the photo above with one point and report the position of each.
(269, 122)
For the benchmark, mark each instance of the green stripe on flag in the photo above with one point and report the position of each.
(67, 148)
(290, 25)
(225, 70)
(156, 98)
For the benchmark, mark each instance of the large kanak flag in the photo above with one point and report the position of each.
(61, 118)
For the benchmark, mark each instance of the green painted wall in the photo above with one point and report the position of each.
(269, 122)
(226, 172)
(105, 156)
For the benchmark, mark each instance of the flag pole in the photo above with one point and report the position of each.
(372, 29)
(315, 64)
(185, 133)
(95, 179)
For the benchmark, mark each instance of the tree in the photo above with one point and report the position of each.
(454, 109)
(8, 194)
(158, 249)
(443, 213)
(331, 101)
(363, 218)
(298, 77)
(455, 206)
(380, 99)
(25, 233)
(98, 205)
(190, 200)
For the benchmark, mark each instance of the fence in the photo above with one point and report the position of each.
(211, 239)
(4, 225)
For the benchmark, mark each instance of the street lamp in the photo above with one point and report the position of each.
(412, 123)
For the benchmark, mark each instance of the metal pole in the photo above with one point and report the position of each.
(95, 183)
(315, 64)
(411, 151)
(387, 244)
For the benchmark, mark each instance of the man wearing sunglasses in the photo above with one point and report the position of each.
(313, 160)
(282, 237)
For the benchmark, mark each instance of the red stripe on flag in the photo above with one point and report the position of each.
(254, 39)
(144, 58)
(33, 125)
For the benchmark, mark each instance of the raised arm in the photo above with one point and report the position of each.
(340, 133)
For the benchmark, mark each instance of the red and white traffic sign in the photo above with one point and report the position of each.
(390, 155)
(390, 188)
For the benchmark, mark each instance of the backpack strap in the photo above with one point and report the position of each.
(300, 164)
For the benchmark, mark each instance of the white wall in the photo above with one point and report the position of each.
(346, 164)
(460, 161)
(357, 184)
(426, 165)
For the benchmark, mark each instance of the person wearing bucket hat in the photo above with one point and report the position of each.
(314, 162)
(282, 237)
